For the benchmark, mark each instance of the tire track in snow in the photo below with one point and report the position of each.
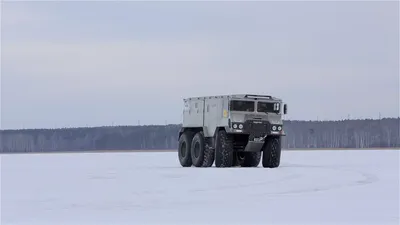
(248, 185)
(367, 178)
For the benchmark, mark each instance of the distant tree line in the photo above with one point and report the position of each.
(367, 133)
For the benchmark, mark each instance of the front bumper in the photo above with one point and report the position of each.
(254, 146)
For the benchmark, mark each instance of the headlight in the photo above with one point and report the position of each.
(279, 128)
(237, 126)
(274, 128)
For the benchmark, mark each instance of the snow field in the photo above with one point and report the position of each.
(310, 187)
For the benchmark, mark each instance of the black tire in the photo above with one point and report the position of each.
(238, 158)
(209, 155)
(224, 150)
(251, 159)
(272, 153)
(184, 153)
(197, 150)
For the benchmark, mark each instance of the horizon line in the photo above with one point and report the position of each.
(179, 124)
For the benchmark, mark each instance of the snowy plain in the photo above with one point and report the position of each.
(311, 187)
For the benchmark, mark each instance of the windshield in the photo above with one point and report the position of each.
(268, 107)
(244, 106)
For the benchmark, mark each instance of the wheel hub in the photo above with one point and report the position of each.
(197, 150)
(183, 149)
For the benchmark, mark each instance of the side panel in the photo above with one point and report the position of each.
(216, 114)
(223, 113)
(211, 116)
(193, 113)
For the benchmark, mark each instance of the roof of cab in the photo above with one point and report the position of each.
(237, 96)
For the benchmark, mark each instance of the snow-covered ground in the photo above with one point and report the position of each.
(310, 187)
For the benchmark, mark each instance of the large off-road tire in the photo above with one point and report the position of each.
(197, 149)
(238, 158)
(184, 145)
(224, 150)
(272, 153)
(251, 159)
(209, 155)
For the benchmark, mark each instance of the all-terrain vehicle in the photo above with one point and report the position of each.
(233, 130)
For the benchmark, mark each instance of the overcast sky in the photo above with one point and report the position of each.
(68, 64)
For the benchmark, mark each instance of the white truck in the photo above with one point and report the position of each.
(232, 130)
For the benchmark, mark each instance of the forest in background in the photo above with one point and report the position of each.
(366, 133)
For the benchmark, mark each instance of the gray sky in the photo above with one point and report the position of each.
(68, 64)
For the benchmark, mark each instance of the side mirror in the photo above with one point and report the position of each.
(284, 109)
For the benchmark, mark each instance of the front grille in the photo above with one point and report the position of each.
(257, 128)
